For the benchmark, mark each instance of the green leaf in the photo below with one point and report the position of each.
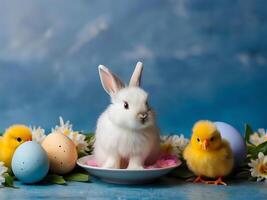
(81, 154)
(250, 148)
(78, 177)
(252, 179)
(56, 179)
(248, 132)
(89, 136)
(260, 148)
(182, 172)
(9, 180)
(243, 175)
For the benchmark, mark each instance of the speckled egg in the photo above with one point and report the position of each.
(30, 162)
(61, 152)
(236, 141)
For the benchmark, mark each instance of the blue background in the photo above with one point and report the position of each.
(203, 59)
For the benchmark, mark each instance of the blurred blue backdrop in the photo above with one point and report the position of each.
(203, 59)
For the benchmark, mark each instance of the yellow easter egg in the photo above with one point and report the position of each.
(61, 152)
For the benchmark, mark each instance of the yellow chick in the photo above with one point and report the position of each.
(208, 154)
(12, 138)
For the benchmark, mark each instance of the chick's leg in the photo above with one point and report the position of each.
(217, 182)
(198, 180)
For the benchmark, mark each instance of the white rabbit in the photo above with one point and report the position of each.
(126, 131)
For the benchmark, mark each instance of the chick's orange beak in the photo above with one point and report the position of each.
(205, 144)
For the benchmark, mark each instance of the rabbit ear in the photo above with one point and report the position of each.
(136, 77)
(111, 83)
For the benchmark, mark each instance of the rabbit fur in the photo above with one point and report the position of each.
(126, 132)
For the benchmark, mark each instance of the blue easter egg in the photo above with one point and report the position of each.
(30, 162)
(235, 140)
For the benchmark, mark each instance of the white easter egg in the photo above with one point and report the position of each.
(235, 140)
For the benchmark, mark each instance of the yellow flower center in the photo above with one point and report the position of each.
(263, 168)
(66, 132)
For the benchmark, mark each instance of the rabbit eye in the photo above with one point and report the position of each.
(212, 139)
(126, 105)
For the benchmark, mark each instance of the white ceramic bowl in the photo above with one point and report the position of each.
(124, 176)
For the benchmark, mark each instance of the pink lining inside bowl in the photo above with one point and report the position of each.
(162, 162)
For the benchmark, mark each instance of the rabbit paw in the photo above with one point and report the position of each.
(135, 167)
(111, 163)
(135, 163)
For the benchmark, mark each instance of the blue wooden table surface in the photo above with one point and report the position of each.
(164, 188)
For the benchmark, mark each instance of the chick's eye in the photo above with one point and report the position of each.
(126, 105)
(19, 139)
(198, 139)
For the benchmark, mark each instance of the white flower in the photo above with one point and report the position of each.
(64, 127)
(79, 141)
(3, 170)
(259, 137)
(38, 134)
(77, 138)
(174, 145)
(259, 167)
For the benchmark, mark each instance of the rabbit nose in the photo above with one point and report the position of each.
(142, 116)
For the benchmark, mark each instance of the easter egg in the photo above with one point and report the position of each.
(235, 140)
(30, 163)
(61, 152)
